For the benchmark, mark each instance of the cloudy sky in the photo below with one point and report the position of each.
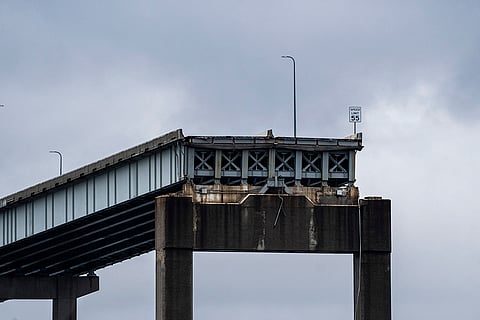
(91, 78)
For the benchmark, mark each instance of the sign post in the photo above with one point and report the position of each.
(355, 115)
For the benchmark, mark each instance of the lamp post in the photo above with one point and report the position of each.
(60, 158)
(294, 97)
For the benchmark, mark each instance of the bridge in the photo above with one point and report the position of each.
(178, 194)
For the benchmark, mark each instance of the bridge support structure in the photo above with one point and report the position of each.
(272, 223)
(63, 290)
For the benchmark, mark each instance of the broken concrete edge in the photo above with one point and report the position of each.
(218, 193)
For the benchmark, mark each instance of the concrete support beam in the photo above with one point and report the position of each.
(371, 264)
(174, 258)
(63, 290)
(25, 287)
(64, 308)
(272, 223)
(372, 272)
(174, 284)
(301, 226)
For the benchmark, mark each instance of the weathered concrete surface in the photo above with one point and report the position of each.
(174, 256)
(175, 284)
(63, 290)
(371, 265)
(250, 226)
(373, 301)
(272, 223)
(25, 287)
(219, 193)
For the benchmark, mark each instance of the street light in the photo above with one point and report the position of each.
(294, 97)
(61, 159)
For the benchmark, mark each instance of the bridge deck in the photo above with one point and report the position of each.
(104, 212)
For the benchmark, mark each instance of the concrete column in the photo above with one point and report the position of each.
(174, 284)
(174, 258)
(64, 309)
(373, 301)
(371, 263)
(64, 305)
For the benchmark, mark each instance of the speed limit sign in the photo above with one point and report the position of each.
(355, 113)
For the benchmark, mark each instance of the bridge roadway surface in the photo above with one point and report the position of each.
(46, 231)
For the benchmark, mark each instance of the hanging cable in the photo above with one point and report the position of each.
(280, 209)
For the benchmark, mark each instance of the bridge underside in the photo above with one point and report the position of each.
(86, 244)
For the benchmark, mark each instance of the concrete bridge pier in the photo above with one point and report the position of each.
(254, 225)
(371, 262)
(174, 255)
(63, 290)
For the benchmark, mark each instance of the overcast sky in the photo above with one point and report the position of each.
(91, 78)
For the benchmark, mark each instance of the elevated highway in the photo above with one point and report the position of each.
(178, 194)
(103, 213)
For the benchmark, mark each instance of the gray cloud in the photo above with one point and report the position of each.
(91, 79)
